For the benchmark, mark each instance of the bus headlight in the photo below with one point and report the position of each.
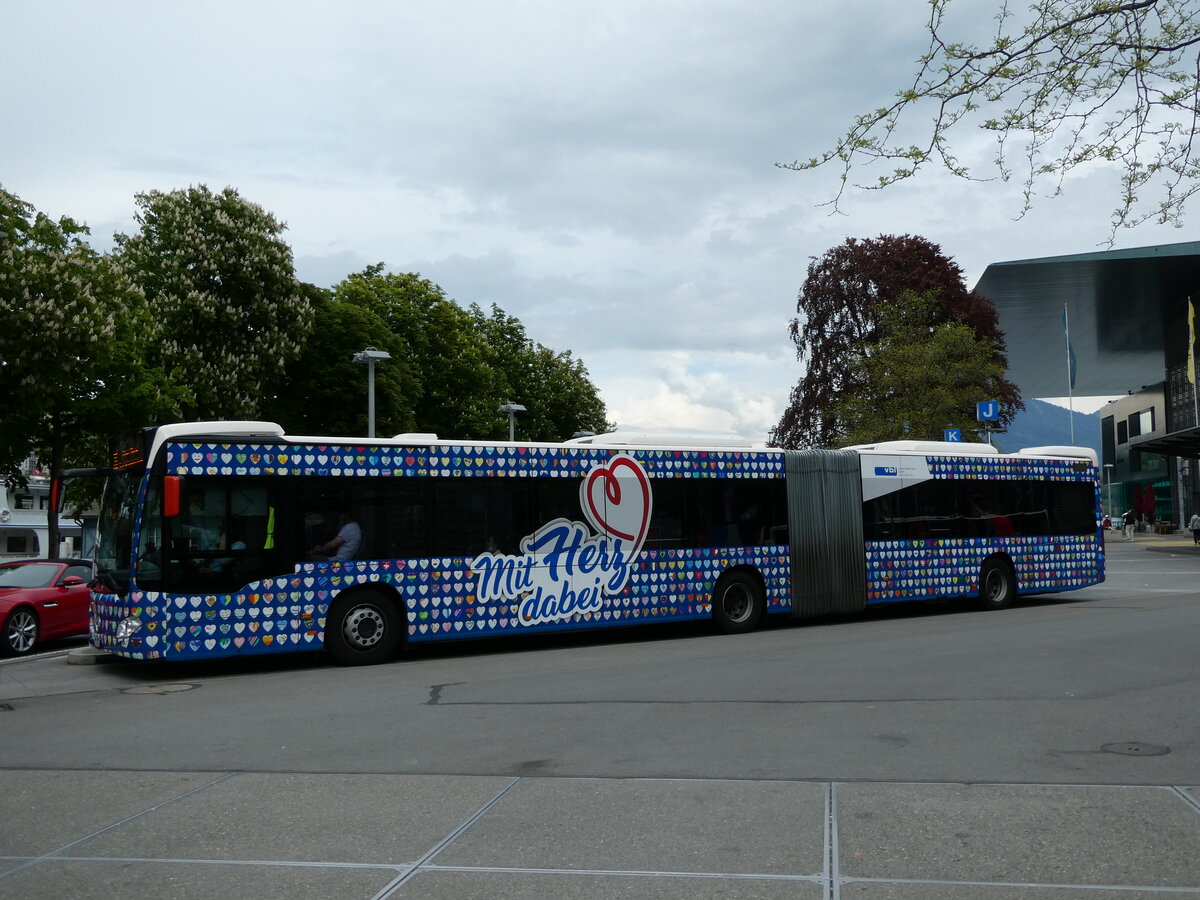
(127, 628)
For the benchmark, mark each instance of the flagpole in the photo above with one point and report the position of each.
(1070, 380)
(1191, 376)
(1191, 363)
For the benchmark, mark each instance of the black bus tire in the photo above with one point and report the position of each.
(362, 628)
(997, 584)
(737, 603)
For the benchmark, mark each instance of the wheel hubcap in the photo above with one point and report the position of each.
(22, 632)
(736, 603)
(364, 627)
(995, 587)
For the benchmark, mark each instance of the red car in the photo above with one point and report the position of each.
(42, 599)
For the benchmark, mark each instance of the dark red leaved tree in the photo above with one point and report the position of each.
(838, 314)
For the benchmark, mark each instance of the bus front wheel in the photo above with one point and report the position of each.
(997, 584)
(737, 603)
(363, 628)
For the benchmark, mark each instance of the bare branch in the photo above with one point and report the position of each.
(1080, 82)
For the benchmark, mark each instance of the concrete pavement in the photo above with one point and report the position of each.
(228, 834)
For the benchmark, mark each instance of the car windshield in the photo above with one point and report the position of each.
(29, 575)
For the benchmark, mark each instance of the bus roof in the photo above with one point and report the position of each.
(217, 431)
(942, 448)
(271, 432)
(946, 448)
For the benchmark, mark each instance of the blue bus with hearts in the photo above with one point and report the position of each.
(226, 538)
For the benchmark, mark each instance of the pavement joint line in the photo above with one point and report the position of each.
(833, 887)
(145, 812)
(1187, 798)
(627, 873)
(441, 845)
(411, 870)
(268, 863)
(922, 782)
(33, 657)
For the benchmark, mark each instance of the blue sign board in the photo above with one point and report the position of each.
(987, 411)
(953, 435)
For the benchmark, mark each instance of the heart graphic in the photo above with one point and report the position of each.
(616, 499)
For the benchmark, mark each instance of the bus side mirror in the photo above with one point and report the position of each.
(58, 487)
(172, 487)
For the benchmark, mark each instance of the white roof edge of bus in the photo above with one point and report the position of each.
(166, 433)
(1052, 451)
(944, 447)
(662, 439)
(221, 427)
(1059, 451)
(616, 439)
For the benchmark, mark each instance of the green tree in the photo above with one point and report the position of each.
(74, 335)
(554, 387)
(451, 363)
(1075, 82)
(323, 391)
(922, 374)
(468, 363)
(221, 280)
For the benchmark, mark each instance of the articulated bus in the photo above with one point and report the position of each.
(215, 538)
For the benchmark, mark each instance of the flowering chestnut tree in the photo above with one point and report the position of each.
(220, 280)
(74, 334)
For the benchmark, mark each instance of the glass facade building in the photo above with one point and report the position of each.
(1130, 333)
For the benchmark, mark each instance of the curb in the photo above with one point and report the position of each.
(1180, 549)
(90, 656)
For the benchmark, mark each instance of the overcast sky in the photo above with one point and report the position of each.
(603, 171)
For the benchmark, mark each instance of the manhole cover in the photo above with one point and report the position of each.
(1136, 748)
(159, 689)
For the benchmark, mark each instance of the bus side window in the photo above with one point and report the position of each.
(667, 516)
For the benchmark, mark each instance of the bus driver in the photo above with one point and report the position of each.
(343, 547)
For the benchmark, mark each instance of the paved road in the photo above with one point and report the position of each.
(1049, 750)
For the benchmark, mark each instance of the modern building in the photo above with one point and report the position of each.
(1128, 317)
(24, 530)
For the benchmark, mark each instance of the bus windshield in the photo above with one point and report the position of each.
(114, 537)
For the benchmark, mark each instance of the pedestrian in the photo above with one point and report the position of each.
(1194, 528)
(1130, 522)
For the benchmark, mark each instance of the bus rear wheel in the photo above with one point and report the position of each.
(363, 628)
(997, 584)
(737, 603)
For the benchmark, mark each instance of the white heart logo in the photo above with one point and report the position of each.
(616, 499)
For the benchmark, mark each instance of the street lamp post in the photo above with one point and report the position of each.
(512, 409)
(368, 358)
